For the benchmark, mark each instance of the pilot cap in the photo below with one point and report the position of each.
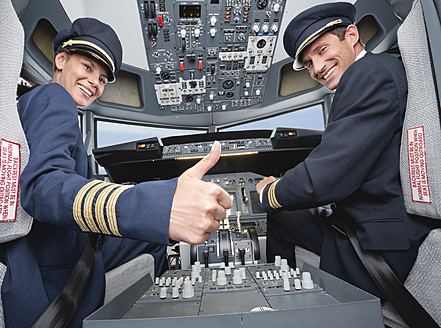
(94, 37)
(307, 26)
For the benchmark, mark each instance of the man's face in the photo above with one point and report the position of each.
(84, 77)
(328, 57)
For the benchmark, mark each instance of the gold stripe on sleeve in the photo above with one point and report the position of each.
(99, 207)
(88, 206)
(272, 196)
(76, 208)
(111, 209)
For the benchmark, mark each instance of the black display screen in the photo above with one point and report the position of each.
(189, 11)
(256, 207)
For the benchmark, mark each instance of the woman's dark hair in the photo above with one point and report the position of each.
(24, 87)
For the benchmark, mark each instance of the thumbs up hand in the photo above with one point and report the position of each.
(198, 206)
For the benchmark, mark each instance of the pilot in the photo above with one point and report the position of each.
(356, 165)
(68, 205)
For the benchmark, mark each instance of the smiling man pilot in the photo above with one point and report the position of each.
(356, 166)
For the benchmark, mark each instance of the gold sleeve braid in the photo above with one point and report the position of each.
(98, 221)
(272, 200)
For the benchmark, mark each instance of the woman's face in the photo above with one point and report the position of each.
(83, 76)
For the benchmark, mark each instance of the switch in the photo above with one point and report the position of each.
(200, 64)
(188, 290)
(237, 277)
(212, 32)
(163, 293)
(183, 44)
(160, 20)
(181, 65)
(213, 20)
(225, 254)
(146, 9)
(242, 254)
(152, 9)
(307, 282)
(197, 32)
(277, 260)
(221, 279)
(175, 292)
(284, 265)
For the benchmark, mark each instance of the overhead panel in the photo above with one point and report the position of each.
(210, 56)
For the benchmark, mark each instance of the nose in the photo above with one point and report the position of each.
(94, 79)
(318, 67)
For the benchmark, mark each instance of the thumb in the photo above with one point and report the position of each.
(205, 164)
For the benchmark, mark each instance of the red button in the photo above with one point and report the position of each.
(160, 20)
(200, 64)
(181, 65)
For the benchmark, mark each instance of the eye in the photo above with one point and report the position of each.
(103, 80)
(87, 67)
(322, 50)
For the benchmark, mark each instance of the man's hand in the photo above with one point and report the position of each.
(263, 183)
(198, 206)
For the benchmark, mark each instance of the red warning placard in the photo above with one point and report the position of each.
(419, 183)
(9, 175)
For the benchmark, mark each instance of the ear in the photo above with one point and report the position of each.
(60, 59)
(352, 34)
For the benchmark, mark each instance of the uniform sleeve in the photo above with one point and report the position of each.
(55, 188)
(364, 117)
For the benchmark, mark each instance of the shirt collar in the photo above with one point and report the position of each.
(361, 54)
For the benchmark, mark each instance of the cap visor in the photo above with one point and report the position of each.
(297, 65)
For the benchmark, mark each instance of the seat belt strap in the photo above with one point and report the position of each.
(62, 309)
(407, 306)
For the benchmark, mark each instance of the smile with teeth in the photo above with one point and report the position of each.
(85, 90)
(329, 73)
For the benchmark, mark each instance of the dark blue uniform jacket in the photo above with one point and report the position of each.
(356, 166)
(56, 190)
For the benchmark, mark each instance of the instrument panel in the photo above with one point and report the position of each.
(210, 56)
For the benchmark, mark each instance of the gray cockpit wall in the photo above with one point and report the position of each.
(132, 97)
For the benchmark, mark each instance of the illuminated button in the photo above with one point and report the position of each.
(181, 65)
(200, 64)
